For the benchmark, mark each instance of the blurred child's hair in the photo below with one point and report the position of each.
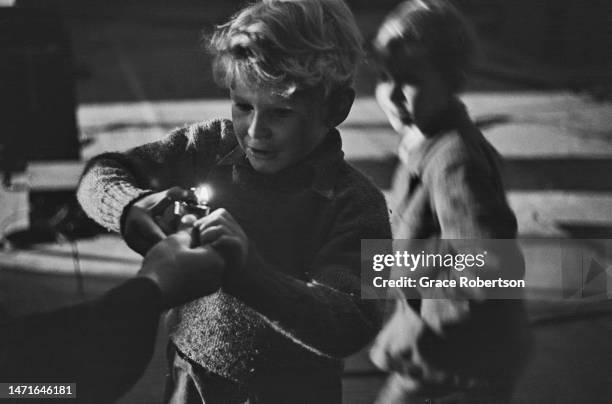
(288, 45)
(436, 28)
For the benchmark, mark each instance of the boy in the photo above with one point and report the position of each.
(447, 187)
(291, 211)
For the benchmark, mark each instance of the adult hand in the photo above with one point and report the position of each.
(182, 269)
(221, 231)
(150, 219)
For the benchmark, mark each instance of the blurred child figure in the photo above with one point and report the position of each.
(447, 187)
(291, 212)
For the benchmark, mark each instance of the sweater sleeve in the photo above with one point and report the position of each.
(451, 332)
(474, 215)
(326, 313)
(103, 346)
(112, 181)
(470, 203)
(468, 196)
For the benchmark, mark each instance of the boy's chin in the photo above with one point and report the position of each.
(266, 167)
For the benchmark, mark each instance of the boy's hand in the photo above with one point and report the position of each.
(405, 347)
(151, 218)
(220, 230)
(183, 270)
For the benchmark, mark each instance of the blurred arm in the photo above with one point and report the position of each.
(103, 345)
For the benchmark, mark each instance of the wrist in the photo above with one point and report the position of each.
(155, 283)
(130, 204)
(154, 268)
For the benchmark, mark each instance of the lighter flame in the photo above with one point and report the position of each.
(203, 194)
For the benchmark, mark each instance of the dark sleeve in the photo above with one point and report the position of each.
(103, 346)
(325, 314)
(112, 181)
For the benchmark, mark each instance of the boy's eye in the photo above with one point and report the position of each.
(283, 112)
(243, 107)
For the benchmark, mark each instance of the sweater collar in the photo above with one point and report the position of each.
(415, 157)
(319, 168)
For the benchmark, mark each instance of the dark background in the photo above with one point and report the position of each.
(159, 42)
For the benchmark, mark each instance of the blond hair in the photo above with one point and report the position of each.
(288, 45)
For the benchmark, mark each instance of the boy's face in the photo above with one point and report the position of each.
(275, 131)
(410, 91)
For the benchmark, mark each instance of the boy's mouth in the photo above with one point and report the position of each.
(260, 154)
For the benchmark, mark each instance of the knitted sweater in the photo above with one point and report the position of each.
(449, 187)
(296, 309)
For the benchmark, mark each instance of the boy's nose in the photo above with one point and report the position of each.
(258, 127)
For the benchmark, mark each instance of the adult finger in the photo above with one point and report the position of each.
(207, 255)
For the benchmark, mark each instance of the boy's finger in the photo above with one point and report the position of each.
(144, 235)
(227, 241)
(173, 194)
(159, 207)
(207, 222)
(147, 228)
(225, 214)
(166, 225)
(211, 217)
(229, 220)
(217, 214)
(231, 249)
(177, 194)
(203, 221)
(218, 220)
(211, 234)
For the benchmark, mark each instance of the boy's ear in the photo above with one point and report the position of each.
(339, 104)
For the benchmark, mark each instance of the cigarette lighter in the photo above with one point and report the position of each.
(195, 204)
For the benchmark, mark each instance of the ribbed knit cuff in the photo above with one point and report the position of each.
(104, 195)
(118, 197)
(143, 193)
